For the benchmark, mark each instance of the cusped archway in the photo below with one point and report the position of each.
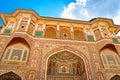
(66, 65)
(10, 76)
(72, 51)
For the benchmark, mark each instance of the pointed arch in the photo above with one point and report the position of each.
(50, 32)
(65, 33)
(79, 35)
(109, 56)
(69, 49)
(10, 76)
(16, 52)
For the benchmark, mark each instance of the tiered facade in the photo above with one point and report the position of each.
(33, 47)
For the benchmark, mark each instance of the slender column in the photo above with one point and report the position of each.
(84, 29)
(36, 25)
(28, 23)
(22, 55)
(43, 27)
(7, 24)
(101, 31)
(108, 32)
(58, 31)
(13, 25)
(93, 34)
(72, 32)
(19, 23)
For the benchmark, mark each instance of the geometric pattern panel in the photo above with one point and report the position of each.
(90, 38)
(25, 55)
(38, 33)
(110, 59)
(115, 40)
(7, 31)
(16, 54)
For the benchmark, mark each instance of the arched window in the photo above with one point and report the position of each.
(65, 33)
(79, 35)
(16, 52)
(97, 34)
(50, 33)
(109, 57)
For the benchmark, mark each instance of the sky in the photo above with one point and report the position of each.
(71, 9)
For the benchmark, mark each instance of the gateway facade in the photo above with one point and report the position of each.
(33, 47)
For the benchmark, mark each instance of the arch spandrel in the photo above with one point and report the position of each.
(101, 44)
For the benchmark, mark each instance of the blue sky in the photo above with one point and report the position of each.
(73, 9)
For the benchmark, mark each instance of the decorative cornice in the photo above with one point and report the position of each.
(4, 17)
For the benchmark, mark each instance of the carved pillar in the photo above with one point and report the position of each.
(36, 25)
(93, 34)
(19, 23)
(108, 32)
(43, 27)
(58, 31)
(14, 25)
(28, 23)
(100, 75)
(84, 29)
(101, 31)
(72, 32)
(7, 24)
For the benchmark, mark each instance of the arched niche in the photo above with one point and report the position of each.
(50, 32)
(16, 52)
(66, 65)
(115, 77)
(110, 57)
(65, 33)
(97, 34)
(79, 35)
(10, 76)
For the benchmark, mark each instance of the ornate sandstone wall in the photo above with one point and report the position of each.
(27, 41)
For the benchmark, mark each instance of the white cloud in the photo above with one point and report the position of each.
(116, 19)
(76, 10)
(88, 9)
(67, 13)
